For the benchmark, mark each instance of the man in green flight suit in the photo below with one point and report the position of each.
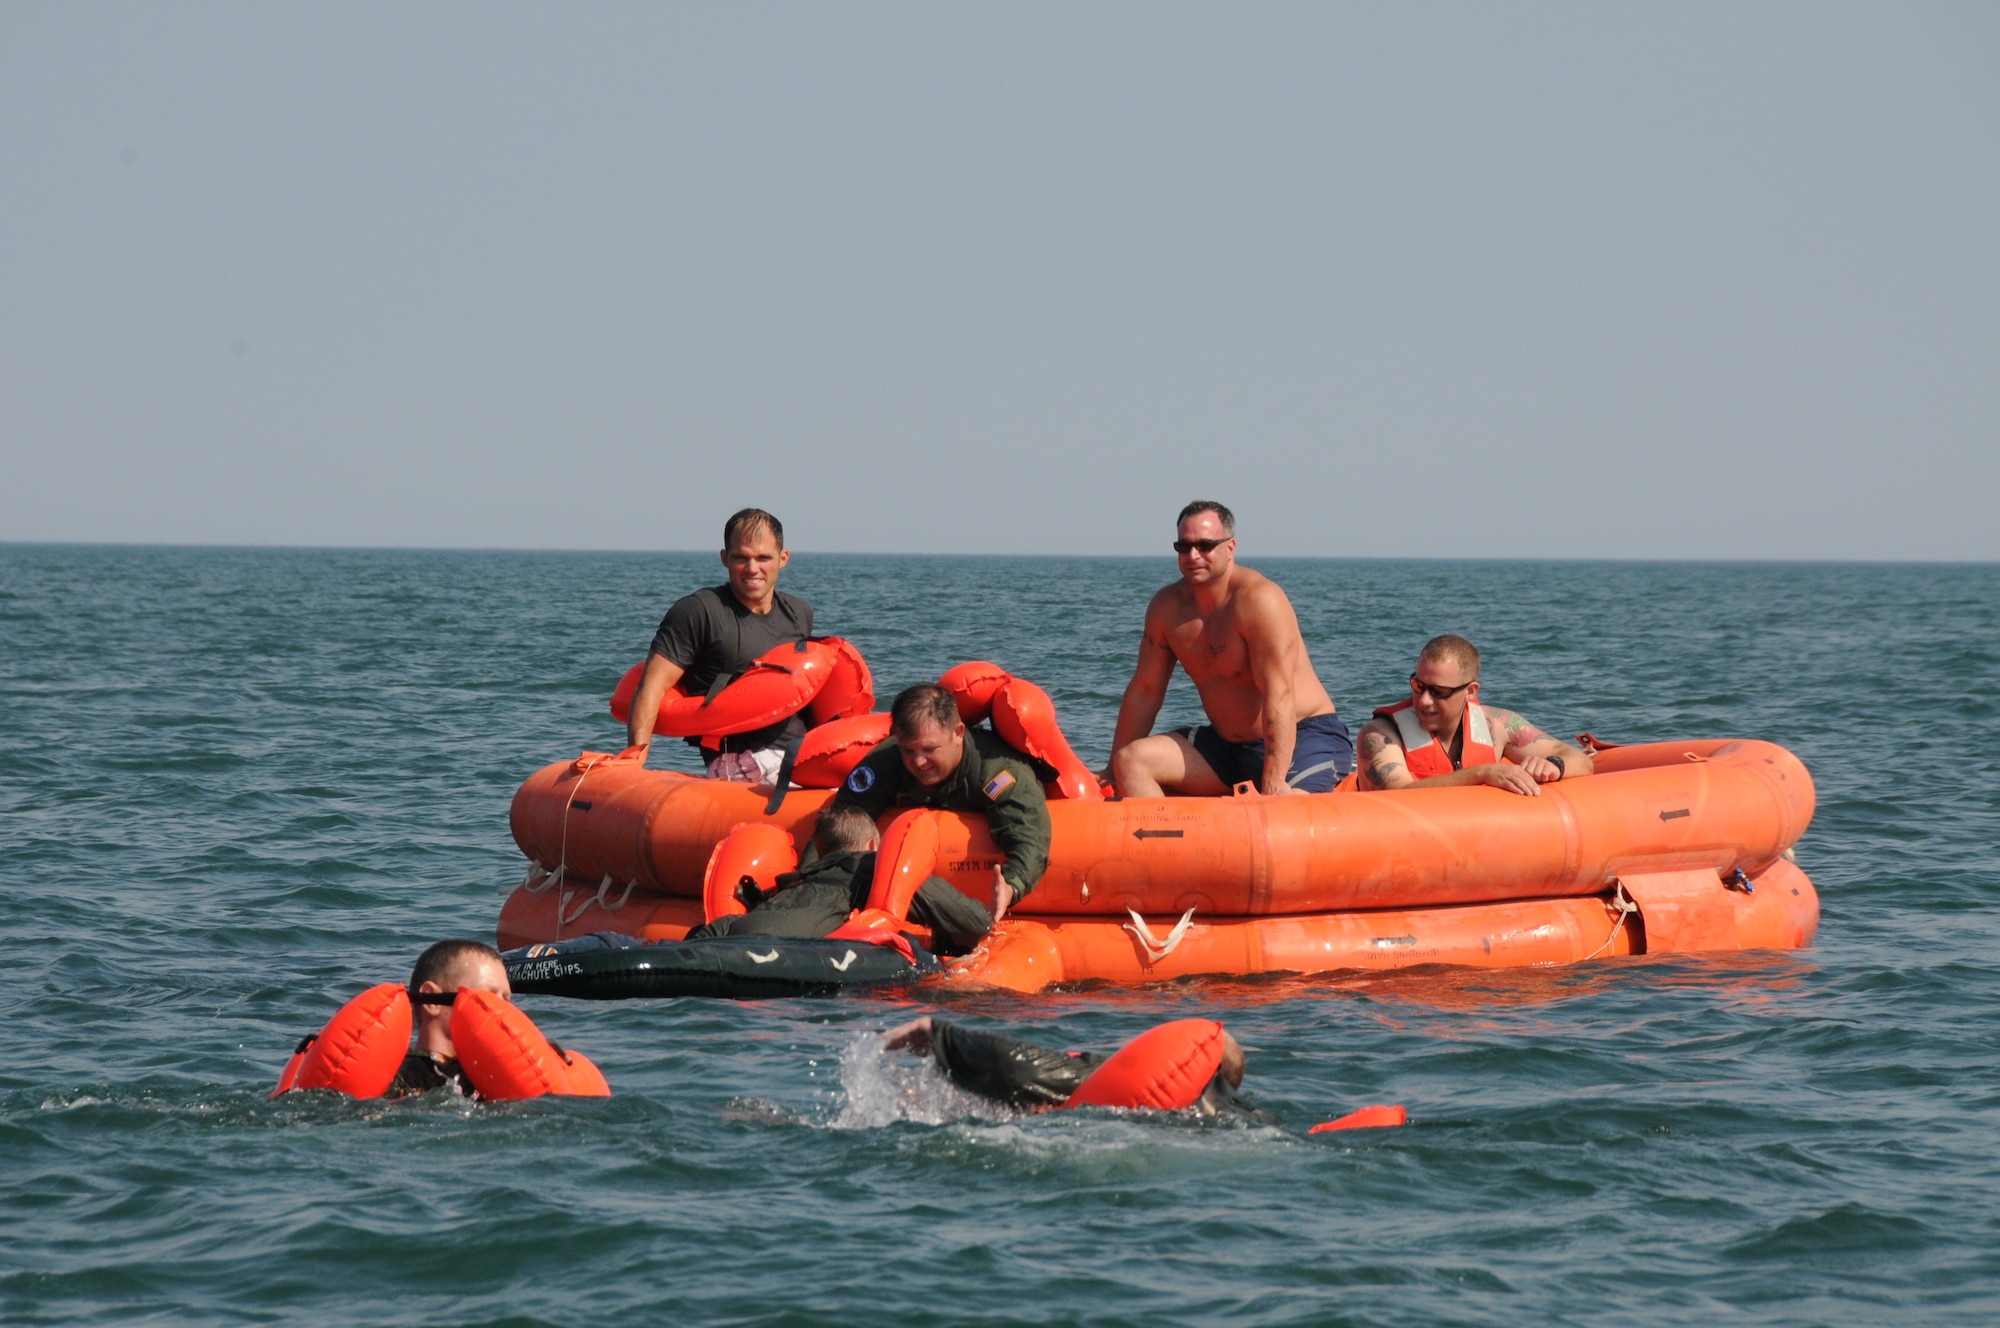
(931, 759)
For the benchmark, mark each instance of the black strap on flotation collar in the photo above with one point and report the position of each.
(433, 997)
(749, 893)
(784, 780)
(304, 1043)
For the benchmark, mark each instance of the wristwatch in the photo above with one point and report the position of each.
(1562, 771)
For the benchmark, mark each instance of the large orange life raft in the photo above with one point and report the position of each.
(1673, 846)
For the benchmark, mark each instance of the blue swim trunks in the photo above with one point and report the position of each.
(1324, 751)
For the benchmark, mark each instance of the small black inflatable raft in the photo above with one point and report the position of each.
(608, 967)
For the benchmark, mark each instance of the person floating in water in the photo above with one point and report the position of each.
(440, 973)
(1028, 1077)
(1442, 736)
(1270, 721)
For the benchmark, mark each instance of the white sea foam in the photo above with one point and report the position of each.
(880, 1088)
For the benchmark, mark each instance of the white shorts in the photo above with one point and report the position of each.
(758, 767)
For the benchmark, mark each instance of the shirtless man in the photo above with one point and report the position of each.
(1232, 629)
(1442, 736)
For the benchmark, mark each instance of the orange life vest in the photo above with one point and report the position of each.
(1168, 1067)
(1426, 756)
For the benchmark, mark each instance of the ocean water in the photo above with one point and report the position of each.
(238, 786)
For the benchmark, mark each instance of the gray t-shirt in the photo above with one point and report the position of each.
(711, 635)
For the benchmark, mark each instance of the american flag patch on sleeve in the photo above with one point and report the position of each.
(999, 784)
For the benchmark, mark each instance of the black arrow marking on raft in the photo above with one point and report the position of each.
(1674, 816)
(1158, 834)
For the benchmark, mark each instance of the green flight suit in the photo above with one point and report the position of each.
(992, 779)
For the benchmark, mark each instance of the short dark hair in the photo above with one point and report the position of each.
(433, 964)
(1200, 505)
(1455, 648)
(746, 523)
(843, 829)
(914, 706)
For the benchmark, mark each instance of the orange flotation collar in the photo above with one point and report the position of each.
(503, 1054)
(972, 686)
(1025, 718)
(849, 689)
(829, 753)
(1168, 1067)
(359, 1050)
(782, 682)
(506, 1057)
(907, 858)
(755, 850)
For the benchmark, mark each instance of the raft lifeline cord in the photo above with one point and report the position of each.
(603, 888)
(1159, 949)
(562, 855)
(1626, 907)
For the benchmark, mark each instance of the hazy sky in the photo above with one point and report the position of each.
(1496, 280)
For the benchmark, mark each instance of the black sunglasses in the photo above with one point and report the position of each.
(1439, 693)
(1206, 546)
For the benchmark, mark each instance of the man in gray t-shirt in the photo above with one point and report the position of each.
(717, 633)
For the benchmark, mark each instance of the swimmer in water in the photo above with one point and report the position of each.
(1028, 1077)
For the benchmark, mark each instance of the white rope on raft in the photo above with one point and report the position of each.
(1626, 907)
(1155, 947)
(562, 856)
(603, 889)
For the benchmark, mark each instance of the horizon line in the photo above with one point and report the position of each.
(192, 546)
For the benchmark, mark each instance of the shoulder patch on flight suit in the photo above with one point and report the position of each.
(999, 784)
(862, 779)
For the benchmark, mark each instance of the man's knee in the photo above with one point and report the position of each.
(1128, 760)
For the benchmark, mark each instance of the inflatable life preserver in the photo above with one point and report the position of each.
(1426, 756)
(1167, 1067)
(907, 859)
(506, 1057)
(1025, 718)
(972, 686)
(754, 849)
(873, 926)
(1364, 1118)
(359, 1050)
(830, 752)
(779, 685)
(849, 689)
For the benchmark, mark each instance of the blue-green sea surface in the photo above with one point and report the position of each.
(239, 786)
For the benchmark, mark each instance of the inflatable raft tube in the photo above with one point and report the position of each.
(1719, 805)
(1661, 913)
(1665, 913)
(736, 967)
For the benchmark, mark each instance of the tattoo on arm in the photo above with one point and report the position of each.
(1520, 733)
(1381, 758)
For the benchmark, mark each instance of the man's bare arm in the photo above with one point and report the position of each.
(1148, 689)
(1379, 757)
(1271, 630)
(661, 673)
(1531, 748)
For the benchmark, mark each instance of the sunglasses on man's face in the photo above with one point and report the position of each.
(1438, 693)
(1205, 546)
